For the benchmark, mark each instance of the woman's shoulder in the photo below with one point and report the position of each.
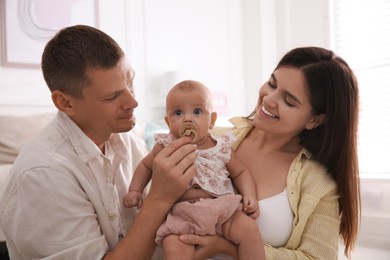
(313, 177)
(241, 126)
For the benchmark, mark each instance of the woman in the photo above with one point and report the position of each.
(300, 144)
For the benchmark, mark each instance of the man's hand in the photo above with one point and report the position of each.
(173, 169)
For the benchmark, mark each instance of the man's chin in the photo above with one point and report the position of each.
(125, 127)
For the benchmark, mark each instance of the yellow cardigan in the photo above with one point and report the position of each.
(313, 197)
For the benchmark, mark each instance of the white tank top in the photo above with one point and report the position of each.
(275, 222)
(276, 219)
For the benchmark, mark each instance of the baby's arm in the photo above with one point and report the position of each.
(141, 177)
(245, 184)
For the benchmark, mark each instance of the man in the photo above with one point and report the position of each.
(63, 197)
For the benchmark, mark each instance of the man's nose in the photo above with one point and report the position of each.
(130, 101)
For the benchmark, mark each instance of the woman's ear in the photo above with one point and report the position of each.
(63, 102)
(316, 121)
(213, 120)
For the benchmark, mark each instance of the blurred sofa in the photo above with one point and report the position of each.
(14, 132)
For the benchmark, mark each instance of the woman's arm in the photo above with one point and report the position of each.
(173, 169)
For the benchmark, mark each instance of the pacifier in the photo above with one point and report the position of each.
(189, 129)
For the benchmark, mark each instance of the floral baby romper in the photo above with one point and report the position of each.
(204, 216)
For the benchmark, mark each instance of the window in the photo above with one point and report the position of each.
(361, 35)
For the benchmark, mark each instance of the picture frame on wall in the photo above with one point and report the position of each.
(27, 25)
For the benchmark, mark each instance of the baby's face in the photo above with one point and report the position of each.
(190, 110)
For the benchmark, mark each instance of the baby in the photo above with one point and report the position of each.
(210, 205)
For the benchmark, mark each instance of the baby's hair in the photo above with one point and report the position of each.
(192, 85)
(188, 85)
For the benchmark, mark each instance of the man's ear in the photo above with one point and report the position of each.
(316, 121)
(63, 102)
(213, 120)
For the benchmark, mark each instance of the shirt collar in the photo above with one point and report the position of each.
(304, 153)
(83, 145)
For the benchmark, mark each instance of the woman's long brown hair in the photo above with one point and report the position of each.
(333, 91)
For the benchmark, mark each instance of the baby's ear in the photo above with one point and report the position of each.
(213, 120)
(166, 120)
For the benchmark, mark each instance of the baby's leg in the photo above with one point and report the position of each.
(243, 231)
(175, 249)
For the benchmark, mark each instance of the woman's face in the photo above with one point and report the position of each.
(283, 106)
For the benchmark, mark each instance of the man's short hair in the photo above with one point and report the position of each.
(71, 52)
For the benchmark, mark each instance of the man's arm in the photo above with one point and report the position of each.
(173, 169)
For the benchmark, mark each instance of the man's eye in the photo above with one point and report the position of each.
(111, 98)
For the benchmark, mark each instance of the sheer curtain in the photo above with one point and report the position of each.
(361, 35)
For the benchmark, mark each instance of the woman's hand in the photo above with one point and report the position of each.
(173, 169)
(207, 246)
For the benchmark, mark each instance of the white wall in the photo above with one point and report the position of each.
(196, 39)
(271, 28)
(230, 45)
(23, 90)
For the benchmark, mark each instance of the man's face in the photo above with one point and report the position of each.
(108, 103)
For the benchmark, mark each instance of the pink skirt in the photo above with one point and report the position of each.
(202, 217)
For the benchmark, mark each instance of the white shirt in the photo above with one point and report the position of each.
(62, 199)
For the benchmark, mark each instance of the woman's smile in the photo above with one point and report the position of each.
(267, 113)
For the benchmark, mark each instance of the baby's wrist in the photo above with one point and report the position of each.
(135, 191)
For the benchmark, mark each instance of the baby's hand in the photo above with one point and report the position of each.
(250, 206)
(132, 199)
